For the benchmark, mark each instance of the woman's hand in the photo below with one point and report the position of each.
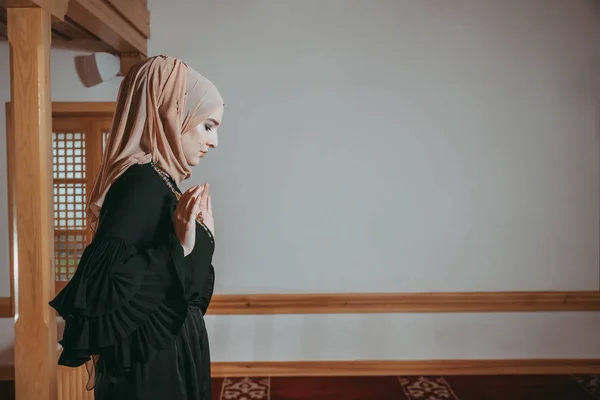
(186, 211)
(206, 209)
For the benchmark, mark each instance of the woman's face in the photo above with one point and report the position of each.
(199, 139)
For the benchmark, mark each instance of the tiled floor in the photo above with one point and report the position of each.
(399, 388)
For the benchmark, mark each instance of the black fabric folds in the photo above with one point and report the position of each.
(119, 305)
(134, 308)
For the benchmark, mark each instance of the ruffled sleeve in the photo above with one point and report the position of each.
(125, 302)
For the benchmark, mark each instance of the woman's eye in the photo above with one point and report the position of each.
(208, 127)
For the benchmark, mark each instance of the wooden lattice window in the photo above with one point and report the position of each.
(77, 146)
(79, 136)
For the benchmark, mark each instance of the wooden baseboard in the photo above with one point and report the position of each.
(393, 368)
(7, 373)
(359, 303)
(6, 307)
(368, 303)
(425, 367)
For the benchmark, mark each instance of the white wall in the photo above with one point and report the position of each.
(399, 145)
(391, 145)
(404, 336)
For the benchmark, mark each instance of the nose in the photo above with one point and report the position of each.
(213, 141)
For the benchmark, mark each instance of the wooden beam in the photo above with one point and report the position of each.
(134, 11)
(92, 46)
(103, 21)
(57, 8)
(60, 108)
(128, 60)
(29, 37)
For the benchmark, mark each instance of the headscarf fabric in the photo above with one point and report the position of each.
(159, 100)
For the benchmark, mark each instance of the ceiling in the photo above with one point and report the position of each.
(116, 26)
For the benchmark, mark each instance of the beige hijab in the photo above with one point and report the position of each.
(160, 99)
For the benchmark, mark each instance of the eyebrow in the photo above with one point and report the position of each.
(213, 121)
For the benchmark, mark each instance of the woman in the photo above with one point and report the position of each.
(135, 306)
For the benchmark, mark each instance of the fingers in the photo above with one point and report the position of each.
(194, 200)
(183, 200)
(192, 203)
(196, 208)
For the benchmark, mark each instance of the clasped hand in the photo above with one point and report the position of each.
(196, 200)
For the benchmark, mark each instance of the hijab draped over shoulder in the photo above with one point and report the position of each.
(159, 100)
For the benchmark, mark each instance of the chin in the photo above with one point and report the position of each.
(194, 161)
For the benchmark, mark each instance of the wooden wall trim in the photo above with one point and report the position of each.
(390, 368)
(408, 367)
(6, 309)
(371, 303)
(7, 373)
(359, 303)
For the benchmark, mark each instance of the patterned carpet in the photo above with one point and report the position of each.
(399, 388)
(410, 388)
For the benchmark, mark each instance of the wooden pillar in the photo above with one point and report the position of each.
(29, 37)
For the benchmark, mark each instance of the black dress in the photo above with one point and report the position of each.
(137, 302)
